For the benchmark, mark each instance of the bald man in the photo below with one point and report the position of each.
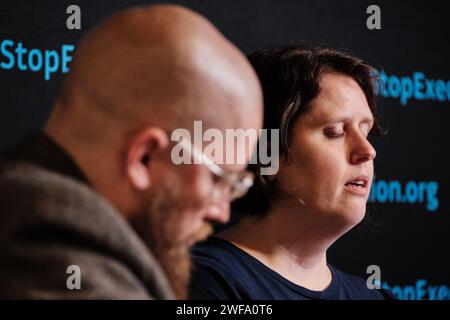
(94, 206)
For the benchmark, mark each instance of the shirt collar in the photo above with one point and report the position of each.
(41, 150)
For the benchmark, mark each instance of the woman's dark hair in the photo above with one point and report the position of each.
(290, 77)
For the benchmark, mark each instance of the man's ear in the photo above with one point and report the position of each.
(140, 151)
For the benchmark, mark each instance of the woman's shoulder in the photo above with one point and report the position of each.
(222, 256)
(213, 246)
(218, 269)
(214, 250)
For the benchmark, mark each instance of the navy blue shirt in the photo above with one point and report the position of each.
(223, 271)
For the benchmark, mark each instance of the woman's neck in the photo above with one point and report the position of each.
(292, 243)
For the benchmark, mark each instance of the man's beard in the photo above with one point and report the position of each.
(158, 226)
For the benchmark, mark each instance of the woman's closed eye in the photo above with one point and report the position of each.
(365, 129)
(334, 132)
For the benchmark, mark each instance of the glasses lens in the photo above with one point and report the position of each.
(241, 185)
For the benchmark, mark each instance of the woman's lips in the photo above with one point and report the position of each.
(358, 185)
(358, 190)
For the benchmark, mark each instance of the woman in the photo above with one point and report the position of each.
(323, 103)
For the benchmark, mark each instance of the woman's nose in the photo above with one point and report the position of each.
(362, 150)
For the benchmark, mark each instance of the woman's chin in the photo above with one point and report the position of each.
(355, 216)
(350, 216)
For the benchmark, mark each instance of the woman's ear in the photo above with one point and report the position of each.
(140, 153)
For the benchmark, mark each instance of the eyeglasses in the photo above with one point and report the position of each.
(230, 184)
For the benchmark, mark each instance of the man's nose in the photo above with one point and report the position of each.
(219, 212)
(362, 150)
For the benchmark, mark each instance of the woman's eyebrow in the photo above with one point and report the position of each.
(323, 120)
(345, 119)
(333, 119)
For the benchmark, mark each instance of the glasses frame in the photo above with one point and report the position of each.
(238, 183)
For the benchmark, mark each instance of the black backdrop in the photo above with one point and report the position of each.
(411, 245)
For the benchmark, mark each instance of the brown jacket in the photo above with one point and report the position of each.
(50, 220)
